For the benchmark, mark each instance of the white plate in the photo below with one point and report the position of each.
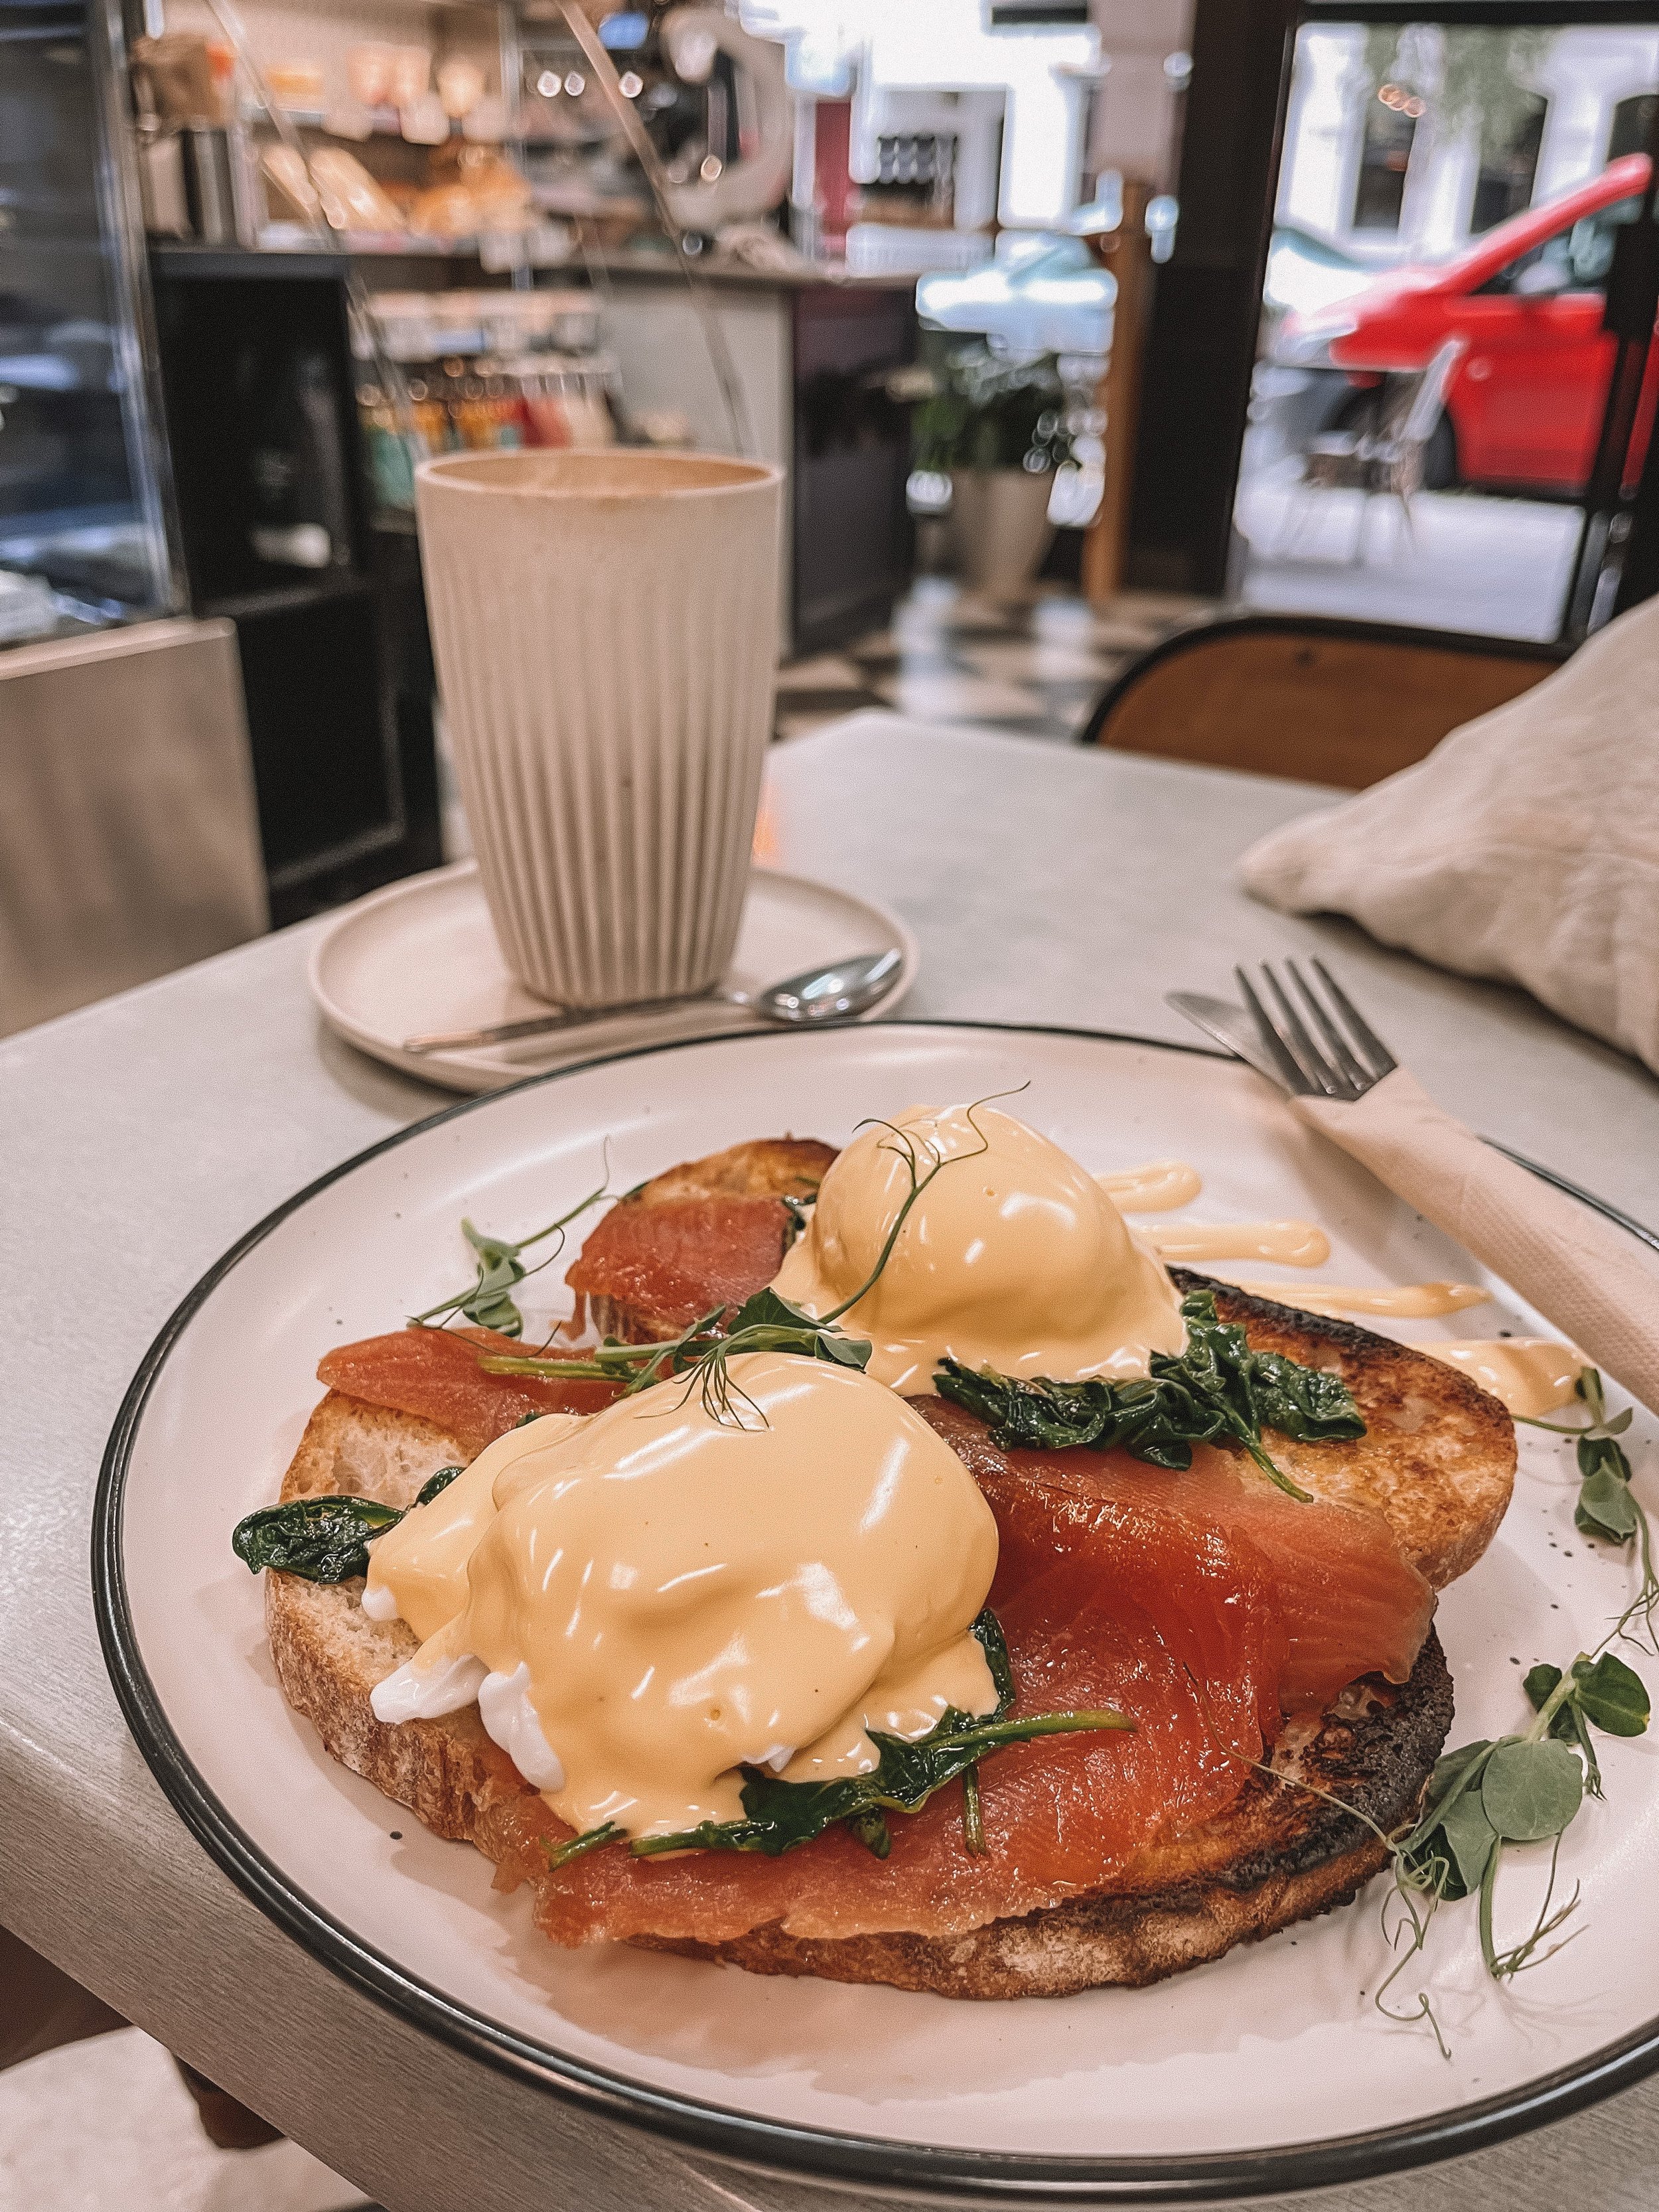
(421, 959)
(1237, 2079)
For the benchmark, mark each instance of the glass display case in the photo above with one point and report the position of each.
(85, 535)
(178, 438)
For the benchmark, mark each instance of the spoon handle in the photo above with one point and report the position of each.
(822, 995)
(542, 1024)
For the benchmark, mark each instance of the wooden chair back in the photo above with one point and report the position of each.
(1317, 698)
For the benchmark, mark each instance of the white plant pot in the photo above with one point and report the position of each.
(999, 521)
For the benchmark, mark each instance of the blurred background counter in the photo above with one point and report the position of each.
(1297, 306)
(255, 265)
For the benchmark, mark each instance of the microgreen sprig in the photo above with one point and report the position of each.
(765, 1323)
(1607, 1508)
(905, 1151)
(488, 1301)
(1524, 1787)
(578, 1847)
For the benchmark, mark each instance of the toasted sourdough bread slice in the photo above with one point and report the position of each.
(1275, 1855)
(1437, 1460)
(761, 1167)
(1438, 1457)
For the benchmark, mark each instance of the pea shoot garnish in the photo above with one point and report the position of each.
(765, 1323)
(1607, 1508)
(1489, 1797)
(1527, 1788)
(488, 1301)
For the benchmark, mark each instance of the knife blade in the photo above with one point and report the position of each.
(1228, 1025)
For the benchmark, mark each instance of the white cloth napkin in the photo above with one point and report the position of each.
(1525, 847)
(1581, 1274)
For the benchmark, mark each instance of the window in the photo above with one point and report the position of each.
(1508, 167)
(1385, 155)
(1633, 120)
(1576, 260)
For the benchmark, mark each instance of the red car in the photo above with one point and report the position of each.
(1523, 408)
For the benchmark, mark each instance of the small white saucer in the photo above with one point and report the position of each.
(421, 957)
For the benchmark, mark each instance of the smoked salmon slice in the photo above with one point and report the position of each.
(1345, 1598)
(1180, 1599)
(1059, 1814)
(669, 1262)
(435, 1374)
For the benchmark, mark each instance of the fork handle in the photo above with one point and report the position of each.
(1578, 1270)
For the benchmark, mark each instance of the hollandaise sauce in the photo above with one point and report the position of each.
(645, 1600)
(1395, 1301)
(1290, 1244)
(1532, 1374)
(1155, 1188)
(1012, 1257)
(417, 1571)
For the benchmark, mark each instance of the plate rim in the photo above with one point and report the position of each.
(833, 2156)
(452, 1071)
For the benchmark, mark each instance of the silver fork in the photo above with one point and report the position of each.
(1349, 1067)
(1255, 1036)
(1570, 1262)
(1278, 1043)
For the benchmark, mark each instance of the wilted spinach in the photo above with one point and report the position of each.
(323, 1539)
(1217, 1389)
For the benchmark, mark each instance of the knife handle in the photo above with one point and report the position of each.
(1583, 1274)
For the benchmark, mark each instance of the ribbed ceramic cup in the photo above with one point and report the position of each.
(605, 629)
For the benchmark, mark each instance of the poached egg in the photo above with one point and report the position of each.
(1014, 1256)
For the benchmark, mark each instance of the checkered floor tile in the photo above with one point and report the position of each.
(1034, 667)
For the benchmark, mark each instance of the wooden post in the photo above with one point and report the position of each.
(1126, 252)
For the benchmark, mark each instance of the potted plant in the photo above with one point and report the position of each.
(995, 424)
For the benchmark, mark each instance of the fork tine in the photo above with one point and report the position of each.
(1294, 1076)
(1325, 1077)
(1359, 1078)
(1383, 1061)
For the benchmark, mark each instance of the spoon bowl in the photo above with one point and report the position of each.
(836, 994)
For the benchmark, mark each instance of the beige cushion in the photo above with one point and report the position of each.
(1525, 847)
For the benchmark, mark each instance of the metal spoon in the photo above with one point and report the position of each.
(835, 993)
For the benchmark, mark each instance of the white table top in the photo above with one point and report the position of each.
(143, 1135)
